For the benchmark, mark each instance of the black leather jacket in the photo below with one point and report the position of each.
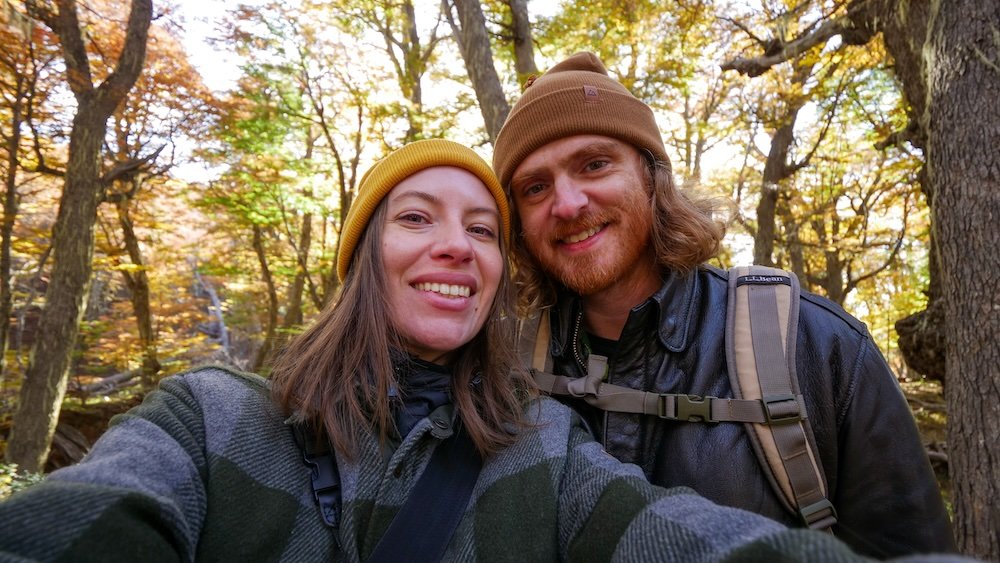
(878, 475)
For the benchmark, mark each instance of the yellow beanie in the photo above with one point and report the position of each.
(575, 97)
(400, 165)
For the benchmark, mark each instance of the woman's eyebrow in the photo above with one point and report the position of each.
(431, 198)
(491, 211)
(418, 194)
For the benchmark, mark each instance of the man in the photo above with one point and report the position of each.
(607, 244)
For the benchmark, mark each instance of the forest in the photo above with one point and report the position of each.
(176, 176)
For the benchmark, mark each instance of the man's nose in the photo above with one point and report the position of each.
(570, 200)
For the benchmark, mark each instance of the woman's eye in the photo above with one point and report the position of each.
(412, 218)
(483, 231)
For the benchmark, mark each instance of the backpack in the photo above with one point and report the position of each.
(761, 327)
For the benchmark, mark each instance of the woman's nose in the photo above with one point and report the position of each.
(453, 243)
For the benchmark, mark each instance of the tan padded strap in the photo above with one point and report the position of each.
(533, 335)
(761, 328)
(540, 358)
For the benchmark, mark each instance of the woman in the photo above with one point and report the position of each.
(416, 354)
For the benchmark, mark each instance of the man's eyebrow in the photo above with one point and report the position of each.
(524, 174)
(589, 150)
(597, 147)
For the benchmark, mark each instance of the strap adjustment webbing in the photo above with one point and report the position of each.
(673, 406)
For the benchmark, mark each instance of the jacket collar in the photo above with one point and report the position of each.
(671, 307)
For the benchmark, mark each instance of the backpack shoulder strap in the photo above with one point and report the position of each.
(761, 328)
(534, 333)
(319, 457)
(422, 529)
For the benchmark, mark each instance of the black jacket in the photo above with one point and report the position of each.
(878, 475)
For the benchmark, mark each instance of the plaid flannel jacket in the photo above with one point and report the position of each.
(207, 468)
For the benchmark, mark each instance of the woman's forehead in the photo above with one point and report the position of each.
(445, 185)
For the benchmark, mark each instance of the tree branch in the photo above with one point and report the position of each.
(124, 170)
(831, 113)
(40, 164)
(897, 245)
(111, 92)
(755, 66)
(67, 27)
(912, 134)
(742, 27)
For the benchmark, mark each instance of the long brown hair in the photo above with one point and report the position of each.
(685, 235)
(337, 375)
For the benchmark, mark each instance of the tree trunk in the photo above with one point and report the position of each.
(964, 168)
(347, 170)
(10, 205)
(272, 299)
(72, 250)
(294, 303)
(414, 66)
(293, 314)
(524, 45)
(831, 280)
(474, 43)
(777, 169)
(796, 254)
(922, 341)
(904, 24)
(138, 285)
(73, 233)
(775, 172)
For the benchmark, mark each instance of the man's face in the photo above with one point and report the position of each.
(585, 212)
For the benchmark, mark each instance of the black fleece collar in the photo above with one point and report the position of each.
(424, 387)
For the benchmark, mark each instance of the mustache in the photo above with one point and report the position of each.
(586, 222)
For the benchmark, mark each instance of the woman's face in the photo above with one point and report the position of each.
(441, 252)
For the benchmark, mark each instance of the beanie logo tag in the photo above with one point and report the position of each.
(590, 93)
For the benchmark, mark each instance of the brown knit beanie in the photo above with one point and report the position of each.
(575, 97)
(399, 165)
